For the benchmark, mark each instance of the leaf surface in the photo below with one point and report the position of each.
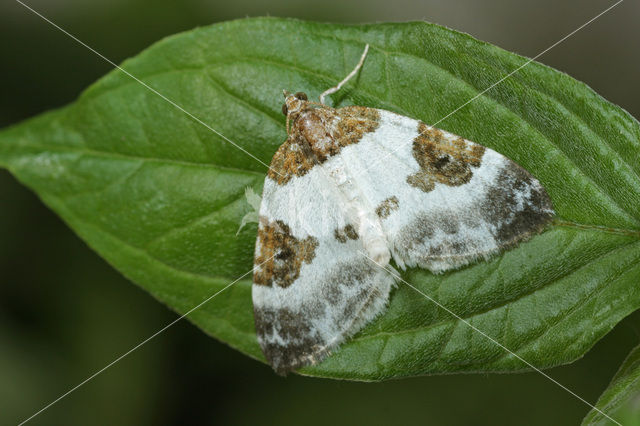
(161, 197)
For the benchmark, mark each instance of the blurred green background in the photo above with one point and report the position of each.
(65, 313)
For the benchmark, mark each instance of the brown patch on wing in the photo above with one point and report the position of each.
(516, 218)
(280, 254)
(351, 291)
(354, 122)
(515, 206)
(291, 159)
(295, 329)
(387, 206)
(346, 233)
(318, 133)
(442, 159)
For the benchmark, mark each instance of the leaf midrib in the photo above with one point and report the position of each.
(125, 156)
(371, 336)
(207, 278)
(120, 156)
(493, 308)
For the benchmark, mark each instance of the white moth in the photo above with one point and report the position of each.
(352, 188)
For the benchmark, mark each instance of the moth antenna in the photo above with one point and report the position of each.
(347, 78)
(318, 104)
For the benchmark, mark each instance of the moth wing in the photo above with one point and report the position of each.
(444, 201)
(312, 287)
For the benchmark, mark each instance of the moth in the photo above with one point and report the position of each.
(352, 189)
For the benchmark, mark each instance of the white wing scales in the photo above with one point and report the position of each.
(302, 315)
(453, 224)
(375, 184)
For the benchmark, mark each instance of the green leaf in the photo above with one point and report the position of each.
(621, 400)
(161, 197)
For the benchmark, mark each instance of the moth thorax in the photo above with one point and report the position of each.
(313, 128)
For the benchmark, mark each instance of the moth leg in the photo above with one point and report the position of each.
(254, 201)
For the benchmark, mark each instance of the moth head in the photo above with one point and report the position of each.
(293, 103)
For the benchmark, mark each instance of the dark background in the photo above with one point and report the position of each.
(65, 313)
